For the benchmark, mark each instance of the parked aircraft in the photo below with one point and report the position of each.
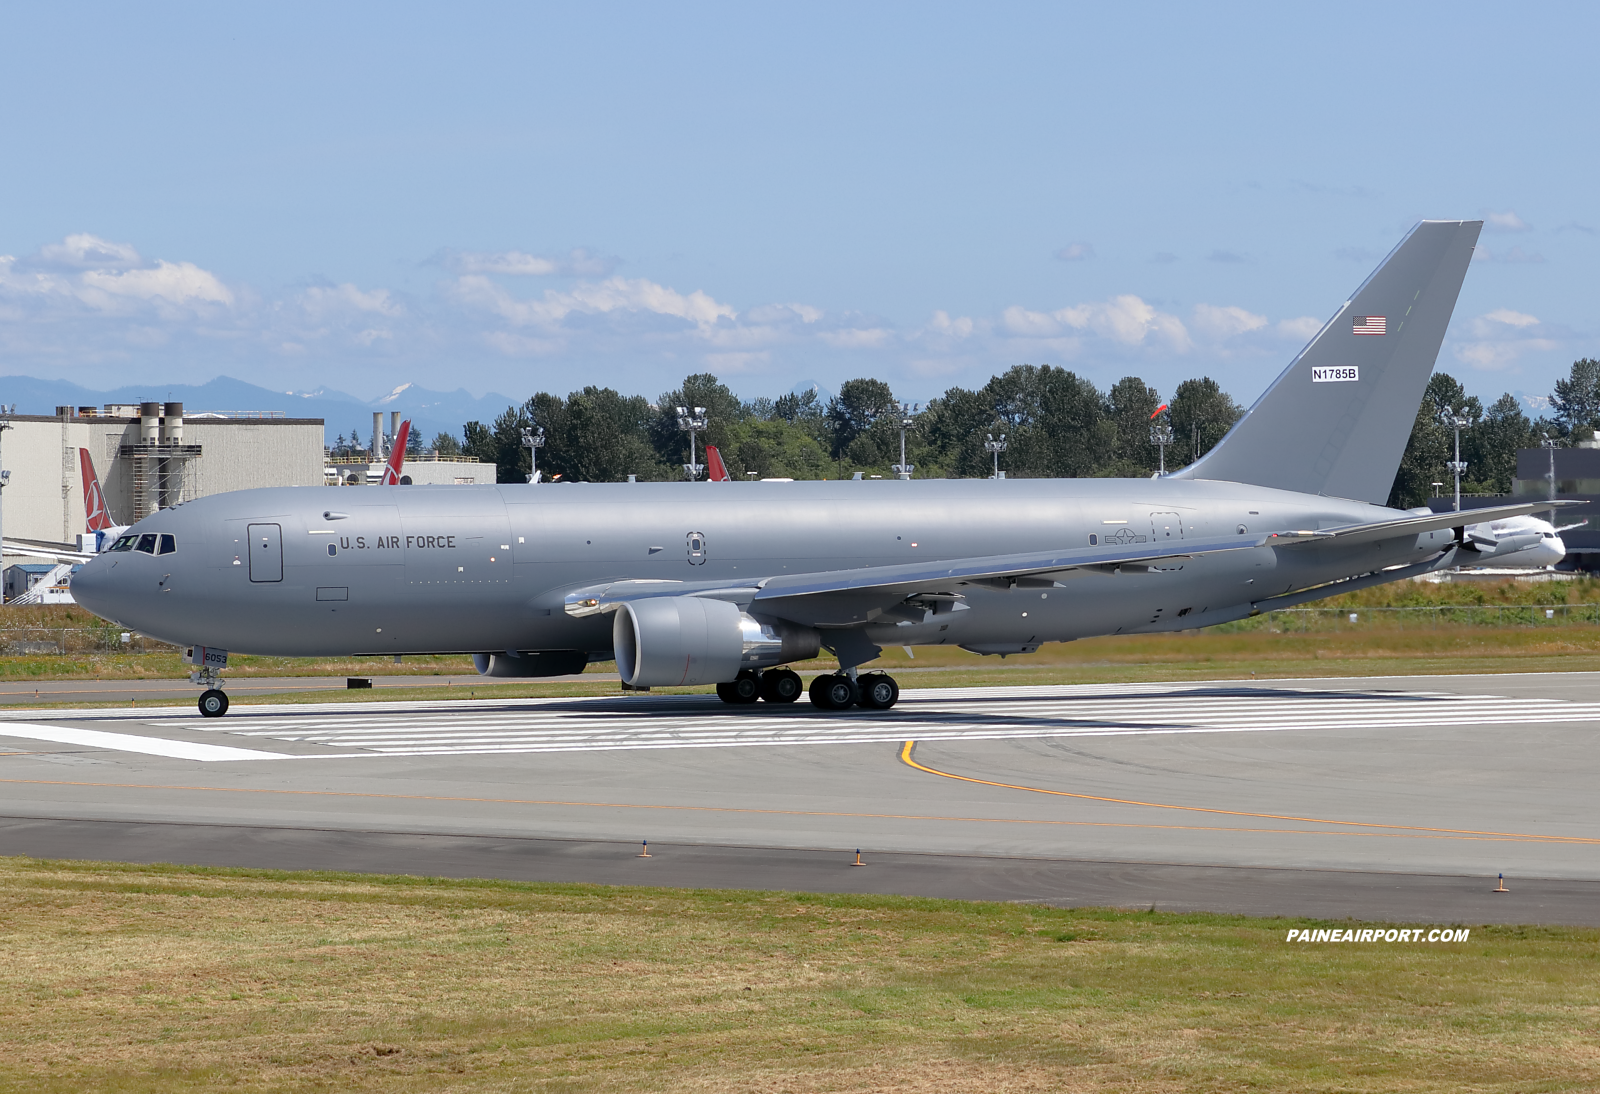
(682, 583)
(397, 457)
(1520, 542)
(97, 511)
(716, 470)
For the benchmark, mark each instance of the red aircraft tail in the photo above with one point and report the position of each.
(718, 471)
(397, 456)
(94, 499)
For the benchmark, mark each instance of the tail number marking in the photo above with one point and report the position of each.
(1340, 374)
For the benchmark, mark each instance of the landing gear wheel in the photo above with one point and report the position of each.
(213, 703)
(744, 688)
(834, 692)
(781, 685)
(879, 691)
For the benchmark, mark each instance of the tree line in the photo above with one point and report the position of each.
(1054, 423)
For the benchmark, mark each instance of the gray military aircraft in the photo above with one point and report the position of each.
(724, 583)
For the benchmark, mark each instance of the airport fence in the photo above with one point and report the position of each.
(27, 641)
(1298, 620)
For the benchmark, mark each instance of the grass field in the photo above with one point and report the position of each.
(131, 978)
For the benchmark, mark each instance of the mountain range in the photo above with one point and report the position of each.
(431, 412)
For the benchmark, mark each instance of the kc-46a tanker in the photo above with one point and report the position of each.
(725, 583)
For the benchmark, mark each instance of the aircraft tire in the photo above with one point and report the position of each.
(835, 691)
(879, 691)
(744, 688)
(213, 703)
(781, 685)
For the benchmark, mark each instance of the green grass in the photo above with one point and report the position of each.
(159, 978)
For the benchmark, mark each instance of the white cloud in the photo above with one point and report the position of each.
(319, 301)
(1511, 318)
(737, 362)
(1076, 252)
(608, 297)
(1225, 322)
(575, 263)
(1303, 329)
(855, 338)
(86, 252)
(1507, 221)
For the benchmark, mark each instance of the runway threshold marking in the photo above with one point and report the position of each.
(905, 757)
(1440, 834)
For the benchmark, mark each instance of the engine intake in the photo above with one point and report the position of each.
(678, 640)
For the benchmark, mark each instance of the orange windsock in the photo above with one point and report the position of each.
(1158, 410)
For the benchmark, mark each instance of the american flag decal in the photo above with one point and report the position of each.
(1369, 324)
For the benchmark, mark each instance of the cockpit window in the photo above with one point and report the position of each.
(169, 544)
(125, 543)
(147, 543)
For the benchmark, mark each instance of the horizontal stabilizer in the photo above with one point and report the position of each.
(1377, 531)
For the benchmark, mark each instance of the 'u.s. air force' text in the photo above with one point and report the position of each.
(393, 542)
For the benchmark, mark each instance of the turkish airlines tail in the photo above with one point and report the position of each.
(718, 471)
(397, 456)
(94, 499)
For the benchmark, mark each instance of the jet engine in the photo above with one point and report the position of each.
(677, 640)
(530, 663)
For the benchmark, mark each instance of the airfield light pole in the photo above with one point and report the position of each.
(995, 448)
(5, 476)
(1457, 422)
(692, 424)
(533, 440)
(1161, 436)
(1549, 444)
(908, 419)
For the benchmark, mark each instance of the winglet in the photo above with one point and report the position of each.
(1336, 420)
(397, 456)
(718, 471)
(94, 499)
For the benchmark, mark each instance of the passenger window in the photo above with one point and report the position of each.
(125, 543)
(169, 544)
(147, 543)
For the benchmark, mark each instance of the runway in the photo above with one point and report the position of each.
(1372, 798)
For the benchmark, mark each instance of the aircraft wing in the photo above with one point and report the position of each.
(1352, 534)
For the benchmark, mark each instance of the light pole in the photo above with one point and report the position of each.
(1458, 423)
(908, 419)
(1161, 436)
(533, 440)
(1550, 444)
(5, 476)
(995, 448)
(692, 424)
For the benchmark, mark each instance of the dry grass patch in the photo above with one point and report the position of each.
(130, 978)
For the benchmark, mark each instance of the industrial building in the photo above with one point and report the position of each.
(420, 469)
(147, 456)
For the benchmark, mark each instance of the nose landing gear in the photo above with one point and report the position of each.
(213, 702)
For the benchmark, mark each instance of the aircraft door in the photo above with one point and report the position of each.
(266, 552)
(1166, 528)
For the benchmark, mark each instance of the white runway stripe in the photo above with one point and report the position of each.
(565, 725)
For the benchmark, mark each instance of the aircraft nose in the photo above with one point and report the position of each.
(94, 588)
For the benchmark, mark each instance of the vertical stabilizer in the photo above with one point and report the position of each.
(1337, 419)
(717, 471)
(94, 499)
(397, 456)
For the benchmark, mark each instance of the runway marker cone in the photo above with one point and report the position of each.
(646, 852)
(1502, 888)
(858, 861)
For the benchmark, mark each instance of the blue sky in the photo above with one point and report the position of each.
(525, 197)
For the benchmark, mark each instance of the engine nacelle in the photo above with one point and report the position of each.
(679, 640)
(531, 663)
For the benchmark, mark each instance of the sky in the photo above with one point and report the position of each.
(527, 197)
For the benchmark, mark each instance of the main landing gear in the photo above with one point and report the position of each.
(841, 691)
(773, 685)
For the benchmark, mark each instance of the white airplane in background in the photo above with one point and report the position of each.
(1524, 542)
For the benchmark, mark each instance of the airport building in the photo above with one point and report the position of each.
(147, 456)
(420, 469)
